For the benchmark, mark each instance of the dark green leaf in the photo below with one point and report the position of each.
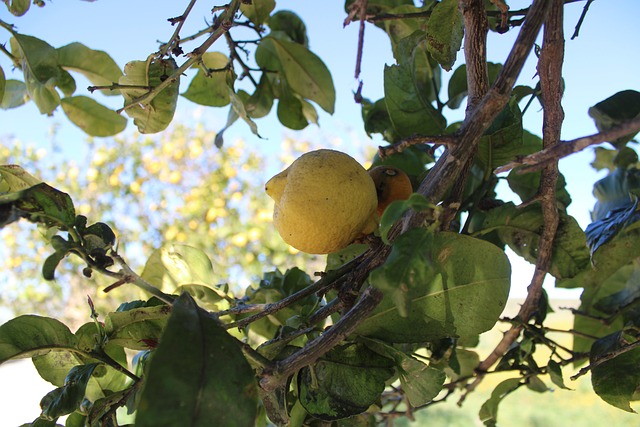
(211, 88)
(489, 411)
(527, 185)
(457, 89)
(504, 141)
(409, 113)
(66, 83)
(198, 375)
(397, 208)
(412, 53)
(437, 286)
(153, 116)
(399, 29)
(444, 32)
(376, 120)
(287, 22)
(421, 383)
(290, 111)
(555, 373)
(93, 118)
(38, 56)
(51, 263)
(257, 11)
(616, 109)
(237, 106)
(521, 228)
(3, 83)
(29, 336)
(43, 204)
(97, 66)
(66, 399)
(15, 94)
(260, 102)
(345, 382)
(303, 71)
(18, 7)
(616, 380)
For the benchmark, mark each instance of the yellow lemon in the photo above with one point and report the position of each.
(323, 201)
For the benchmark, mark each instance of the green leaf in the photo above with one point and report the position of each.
(29, 336)
(174, 265)
(15, 178)
(37, 56)
(15, 94)
(237, 105)
(290, 24)
(521, 228)
(438, 286)
(421, 383)
(153, 116)
(616, 109)
(93, 118)
(137, 329)
(397, 208)
(97, 66)
(260, 102)
(457, 89)
(504, 140)
(290, 111)
(376, 120)
(51, 263)
(211, 88)
(45, 95)
(616, 380)
(410, 114)
(303, 71)
(444, 32)
(489, 411)
(40, 203)
(345, 382)
(3, 83)
(258, 10)
(198, 375)
(18, 7)
(399, 29)
(527, 185)
(555, 373)
(66, 399)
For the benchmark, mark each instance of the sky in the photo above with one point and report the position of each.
(603, 60)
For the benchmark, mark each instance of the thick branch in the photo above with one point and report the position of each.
(550, 71)
(449, 166)
(536, 161)
(315, 349)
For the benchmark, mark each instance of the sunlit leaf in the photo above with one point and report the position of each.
(198, 375)
(174, 265)
(436, 286)
(137, 329)
(41, 203)
(3, 83)
(489, 411)
(155, 115)
(92, 117)
(211, 88)
(258, 10)
(304, 72)
(18, 7)
(15, 94)
(97, 66)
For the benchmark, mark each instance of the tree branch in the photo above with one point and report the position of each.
(550, 71)
(281, 370)
(536, 161)
(450, 164)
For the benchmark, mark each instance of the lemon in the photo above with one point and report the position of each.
(323, 201)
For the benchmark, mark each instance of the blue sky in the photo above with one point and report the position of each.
(600, 62)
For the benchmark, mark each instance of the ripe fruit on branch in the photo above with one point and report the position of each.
(391, 184)
(323, 201)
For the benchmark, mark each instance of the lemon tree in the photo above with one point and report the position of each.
(389, 322)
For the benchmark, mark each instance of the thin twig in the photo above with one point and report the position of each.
(536, 161)
(175, 38)
(605, 358)
(400, 146)
(576, 32)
